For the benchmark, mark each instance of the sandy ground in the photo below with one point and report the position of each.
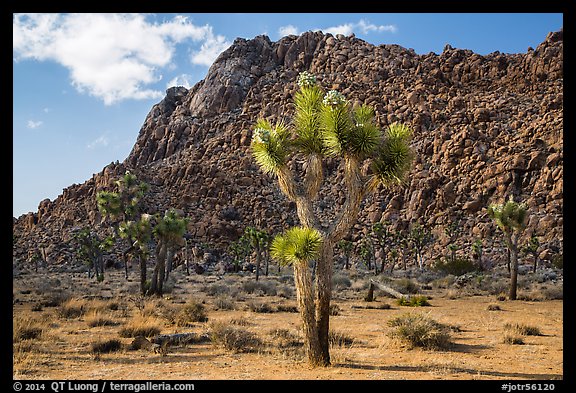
(63, 351)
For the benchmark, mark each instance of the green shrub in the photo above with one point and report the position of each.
(416, 330)
(457, 267)
(414, 301)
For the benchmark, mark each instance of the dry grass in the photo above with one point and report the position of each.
(73, 308)
(139, 325)
(106, 346)
(26, 328)
(513, 340)
(96, 318)
(339, 339)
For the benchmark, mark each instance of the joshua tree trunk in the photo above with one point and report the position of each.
(512, 241)
(304, 295)
(143, 274)
(258, 258)
(157, 283)
(535, 262)
(169, 260)
(125, 256)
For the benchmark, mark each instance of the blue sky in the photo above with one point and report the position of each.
(84, 83)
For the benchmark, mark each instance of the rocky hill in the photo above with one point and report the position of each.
(485, 127)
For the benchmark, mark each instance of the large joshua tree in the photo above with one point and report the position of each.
(325, 125)
(511, 219)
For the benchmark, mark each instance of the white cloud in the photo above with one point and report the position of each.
(34, 124)
(181, 80)
(288, 30)
(101, 141)
(210, 49)
(362, 26)
(110, 56)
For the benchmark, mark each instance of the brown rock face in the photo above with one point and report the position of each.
(484, 127)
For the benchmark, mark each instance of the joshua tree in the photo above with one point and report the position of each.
(346, 247)
(477, 251)
(531, 247)
(366, 251)
(240, 250)
(383, 238)
(91, 249)
(511, 219)
(325, 125)
(258, 240)
(139, 233)
(420, 237)
(169, 232)
(123, 205)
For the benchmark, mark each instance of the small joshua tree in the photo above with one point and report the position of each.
(90, 250)
(346, 247)
(123, 207)
(510, 217)
(420, 237)
(531, 247)
(169, 232)
(383, 238)
(326, 125)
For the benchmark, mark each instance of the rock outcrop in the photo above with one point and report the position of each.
(485, 127)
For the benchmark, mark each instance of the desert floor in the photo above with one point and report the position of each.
(63, 350)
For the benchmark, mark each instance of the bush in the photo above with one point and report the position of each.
(284, 338)
(73, 308)
(189, 313)
(558, 261)
(341, 281)
(335, 309)
(234, 339)
(457, 267)
(96, 318)
(522, 329)
(107, 346)
(260, 307)
(339, 339)
(141, 326)
(494, 307)
(265, 287)
(224, 303)
(405, 285)
(286, 308)
(25, 328)
(513, 340)
(414, 301)
(420, 331)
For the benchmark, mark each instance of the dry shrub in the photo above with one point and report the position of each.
(234, 339)
(287, 343)
(106, 346)
(73, 308)
(260, 307)
(26, 328)
(99, 318)
(417, 330)
(286, 308)
(224, 303)
(494, 307)
(522, 329)
(513, 340)
(145, 326)
(339, 339)
(240, 321)
(190, 313)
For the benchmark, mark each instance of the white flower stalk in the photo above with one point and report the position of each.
(306, 79)
(334, 98)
